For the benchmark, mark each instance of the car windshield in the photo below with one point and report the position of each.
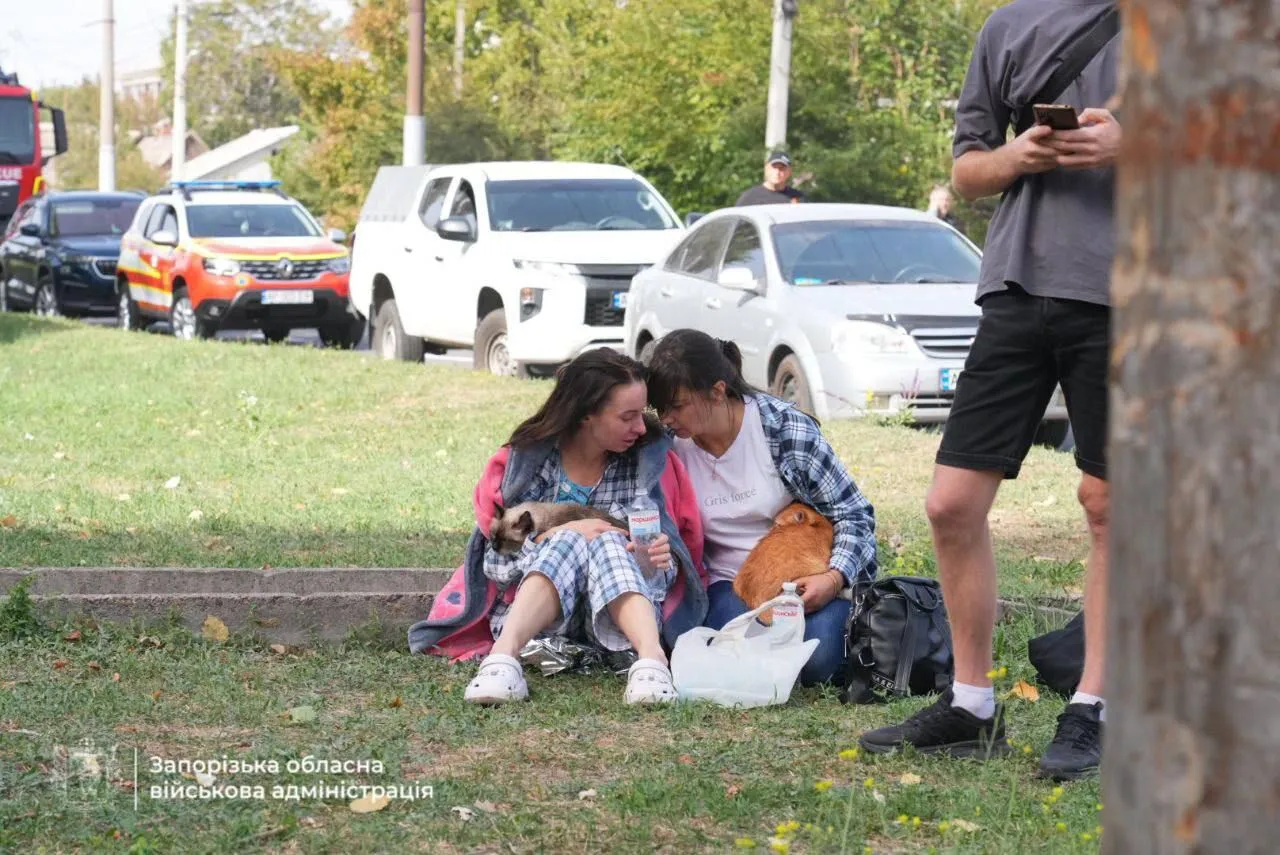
(575, 205)
(86, 217)
(237, 221)
(17, 131)
(877, 252)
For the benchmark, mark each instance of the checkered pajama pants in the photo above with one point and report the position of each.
(588, 575)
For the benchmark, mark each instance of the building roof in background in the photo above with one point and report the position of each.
(252, 145)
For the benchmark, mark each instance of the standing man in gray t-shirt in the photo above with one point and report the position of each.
(1045, 298)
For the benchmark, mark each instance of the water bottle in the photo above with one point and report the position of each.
(788, 613)
(645, 523)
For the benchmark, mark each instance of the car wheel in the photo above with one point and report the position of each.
(646, 352)
(491, 352)
(790, 385)
(126, 309)
(342, 336)
(4, 291)
(389, 338)
(275, 335)
(184, 321)
(47, 299)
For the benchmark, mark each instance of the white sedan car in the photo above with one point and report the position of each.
(847, 310)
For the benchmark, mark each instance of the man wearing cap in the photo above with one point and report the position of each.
(776, 189)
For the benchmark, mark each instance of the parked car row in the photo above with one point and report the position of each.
(843, 309)
(200, 255)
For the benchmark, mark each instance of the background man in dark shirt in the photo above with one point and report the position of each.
(776, 189)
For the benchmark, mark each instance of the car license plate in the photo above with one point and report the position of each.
(292, 297)
(948, 379)
(619, 299)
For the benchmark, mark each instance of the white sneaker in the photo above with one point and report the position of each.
(500, 679)
(649, 682)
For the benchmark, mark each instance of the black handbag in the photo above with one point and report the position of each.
(898, 641)
(1058, 656)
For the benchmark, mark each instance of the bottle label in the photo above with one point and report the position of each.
(645, 525)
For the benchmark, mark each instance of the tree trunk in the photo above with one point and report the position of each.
(1192, 760)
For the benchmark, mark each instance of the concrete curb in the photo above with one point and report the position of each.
(287, 606)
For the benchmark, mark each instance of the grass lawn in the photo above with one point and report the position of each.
(299, 457)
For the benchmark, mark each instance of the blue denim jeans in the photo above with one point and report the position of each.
(827, 625)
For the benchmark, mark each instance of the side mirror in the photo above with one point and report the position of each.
(30, 229)
(337, 235)
(60, 146)
(164, 237)
(738, 278)
(692, 217)
(457, 228)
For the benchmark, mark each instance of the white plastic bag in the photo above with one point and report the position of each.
(744, 664)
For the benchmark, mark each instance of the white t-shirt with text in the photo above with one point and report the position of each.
(739, 494)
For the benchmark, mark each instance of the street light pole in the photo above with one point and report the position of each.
(178, 158)
(775, 133)
(415, 124)
(107, 101)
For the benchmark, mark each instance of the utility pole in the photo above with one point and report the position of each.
(415, 124)
(178, 159)
(775, 132)
(107, 101)
(459, 45)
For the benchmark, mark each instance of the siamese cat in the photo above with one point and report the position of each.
(511, 527)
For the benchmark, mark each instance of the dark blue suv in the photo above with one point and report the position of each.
(60, 250)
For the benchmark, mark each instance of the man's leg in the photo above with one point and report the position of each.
(1082, 332)
(1007, 382)
(958, 504)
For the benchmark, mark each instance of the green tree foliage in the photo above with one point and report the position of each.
(77, 169)
(235, 52)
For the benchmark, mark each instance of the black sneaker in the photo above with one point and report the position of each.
(1076, 749)
(942, 729)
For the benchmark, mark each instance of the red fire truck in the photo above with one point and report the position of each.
(21, 158)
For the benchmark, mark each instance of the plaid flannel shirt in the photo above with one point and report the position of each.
(812, 473)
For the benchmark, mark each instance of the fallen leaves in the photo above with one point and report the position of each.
(213, 629)
(369, 804)
(59, 664)
(487, 807)
(396, 702)
(587, 795)
(279, 649)
(908, 779)
(74, 635)
(301, 715)
(9, 522)
(1026, 691)
(464, 813)
(196, 515)
(965, 825)
(172, 483)
(339, 491)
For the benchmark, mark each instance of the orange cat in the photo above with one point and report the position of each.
(799, 544)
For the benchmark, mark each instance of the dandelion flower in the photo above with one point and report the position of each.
(1086, 836)
(944, 827)
(822, 786)
(1062, 826)
(777, 844)
(902, 819)
(744, 843)
(869, 783)
(849, 754)
(915, 822)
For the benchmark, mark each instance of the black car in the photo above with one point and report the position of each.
(60, 250)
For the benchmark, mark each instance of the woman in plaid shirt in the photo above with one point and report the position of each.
(749, 455)
(590, 443)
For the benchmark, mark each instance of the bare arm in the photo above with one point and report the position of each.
(978, 173)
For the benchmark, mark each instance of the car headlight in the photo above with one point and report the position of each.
(553, 268)
(222, 266)
(863, 338)
(341, 264)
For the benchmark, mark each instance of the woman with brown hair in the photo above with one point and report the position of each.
(590, 443)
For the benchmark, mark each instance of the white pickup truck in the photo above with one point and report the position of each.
(527, 263)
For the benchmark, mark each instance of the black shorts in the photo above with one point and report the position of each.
(1025, 347)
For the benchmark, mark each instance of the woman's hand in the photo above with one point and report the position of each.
(818, 590)
(589, 529)
(659, 552)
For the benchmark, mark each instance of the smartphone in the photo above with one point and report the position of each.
(1060, 117)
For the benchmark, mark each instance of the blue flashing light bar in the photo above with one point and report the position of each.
(224, 185)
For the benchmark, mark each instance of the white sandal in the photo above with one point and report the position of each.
(649, 682)
(500, 679)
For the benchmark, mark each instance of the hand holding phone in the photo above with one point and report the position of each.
(1060, 117)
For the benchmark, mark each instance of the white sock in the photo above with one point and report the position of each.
(979, 700)
(1090, 700)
